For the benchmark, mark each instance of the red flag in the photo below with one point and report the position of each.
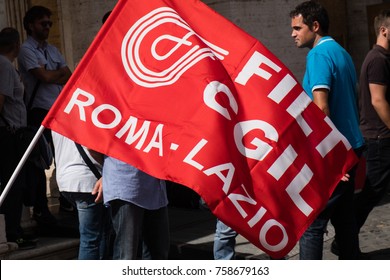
(176, 90)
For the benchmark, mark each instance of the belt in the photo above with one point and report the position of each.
(378, 137)
(8, 128)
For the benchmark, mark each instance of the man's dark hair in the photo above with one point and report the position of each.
(312, 11)
(36, 12)
(382, 19)
(9, 37)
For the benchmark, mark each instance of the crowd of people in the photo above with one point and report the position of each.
(116, 201)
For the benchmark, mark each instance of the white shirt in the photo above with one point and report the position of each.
(72, 173)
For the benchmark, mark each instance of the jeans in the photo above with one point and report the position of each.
(377, 156)
(93, 225)
(339, 210)
(224, 242)
(134, 225)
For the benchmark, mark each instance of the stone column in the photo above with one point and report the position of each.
(15, 10)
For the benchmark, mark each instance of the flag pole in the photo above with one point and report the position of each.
(21, 163)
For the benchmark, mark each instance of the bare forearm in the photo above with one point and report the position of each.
(380, 103)
(383, 111)
(320, 98)
(59, 76)
(64, 77)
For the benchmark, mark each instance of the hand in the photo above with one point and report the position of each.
(345, 178)
(98, 189)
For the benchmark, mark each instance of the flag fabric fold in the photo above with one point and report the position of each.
(176, 90)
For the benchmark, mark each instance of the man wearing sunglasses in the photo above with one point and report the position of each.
(44, 72)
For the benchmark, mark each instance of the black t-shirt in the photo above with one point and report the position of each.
(375, 70)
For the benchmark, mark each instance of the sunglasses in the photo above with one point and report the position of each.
(46, 23)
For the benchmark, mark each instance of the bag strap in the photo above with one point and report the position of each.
(34, 93)
(88, 161)
(4, 120)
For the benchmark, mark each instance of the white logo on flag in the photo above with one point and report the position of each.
(131, 47)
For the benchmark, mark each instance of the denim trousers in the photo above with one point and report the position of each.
(341, 213)
(377, 155)
(339, 210)
(224, 242)
(135, 228)
(94, 225)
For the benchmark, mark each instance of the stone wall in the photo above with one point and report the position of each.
(358, 29)
(269, 22)
(3, 16)
(81, 20)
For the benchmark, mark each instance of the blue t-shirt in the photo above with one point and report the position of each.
(125, 182)
(329, 66)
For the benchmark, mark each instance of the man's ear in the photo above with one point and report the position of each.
(384, 31)
(30, 26)
(316, 26)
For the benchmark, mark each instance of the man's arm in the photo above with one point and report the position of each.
(379, 102)
(29, 60)
(320, 98)
(59, 76)
(98, 188)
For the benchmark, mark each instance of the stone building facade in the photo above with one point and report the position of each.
(76, 23)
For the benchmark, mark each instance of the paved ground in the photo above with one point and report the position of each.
(192, 233)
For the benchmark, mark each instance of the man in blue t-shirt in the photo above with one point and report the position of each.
(330, 81)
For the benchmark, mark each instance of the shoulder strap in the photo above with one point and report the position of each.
(4, 120)
(34, 92)
(29, 105)
(88, 161)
